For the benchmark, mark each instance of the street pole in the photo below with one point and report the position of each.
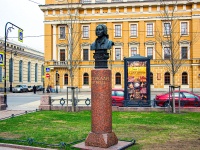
(11, 77)
(56, 81)
(6, 36)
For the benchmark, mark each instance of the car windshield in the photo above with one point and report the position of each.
(18, 85)
(188, 95)
(119, 93)
(29, 86)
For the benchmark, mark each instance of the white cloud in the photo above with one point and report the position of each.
(27, 15)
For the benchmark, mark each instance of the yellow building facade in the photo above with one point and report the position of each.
(136, 27)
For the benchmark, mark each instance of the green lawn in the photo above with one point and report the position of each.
(149, 129)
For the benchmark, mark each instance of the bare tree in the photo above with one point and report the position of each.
(73, 21)
(171, 39)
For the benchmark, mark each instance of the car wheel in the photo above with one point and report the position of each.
(182, 103)
(114, 102)
(196, 103)
(166, 104)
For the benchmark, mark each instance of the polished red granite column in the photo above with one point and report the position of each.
(101, 87)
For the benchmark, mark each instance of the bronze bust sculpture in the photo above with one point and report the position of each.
(101, 45)
(102, 42)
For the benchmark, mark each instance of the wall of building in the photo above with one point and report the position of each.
(122, 13)
(19, 52)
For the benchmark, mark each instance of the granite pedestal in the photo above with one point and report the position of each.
(101, 134)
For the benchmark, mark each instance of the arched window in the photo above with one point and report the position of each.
(29, 71)
(167, 78)
(151, 78)
(42, 73)
(36, 72)
(20, 71)
(66, 79)
(11, 70)
(1, 74)
(184, 78)
(117, 78)
(86, 79)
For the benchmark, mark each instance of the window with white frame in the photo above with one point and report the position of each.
(118, 30)
(149, 29)
(133, 30)
(62, 32)
(62, 54)
(184, 28)
(184, 52)
(117, 53)
(150, 52)
(85, 54)
(167, 52)
(167, 28)
(85, 31)
(133, 51)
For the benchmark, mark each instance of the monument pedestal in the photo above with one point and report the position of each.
(101, 88)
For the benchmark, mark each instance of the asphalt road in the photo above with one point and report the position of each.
(31, 101)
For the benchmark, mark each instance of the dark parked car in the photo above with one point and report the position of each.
(186, 99)
(20, 88)
(39, 88)
(117, 97)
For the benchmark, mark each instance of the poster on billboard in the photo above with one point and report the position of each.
(137, 80)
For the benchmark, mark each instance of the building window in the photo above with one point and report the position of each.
(36, 72)
(62, 54)
(184, 53)
(57, 78)
(150, 29)
(20, 71)
(167, 28)
(85, 31)
(184, 28)
(133, 51)
(167, 53)
(11, 70)
(151, 78)
(86, 1)
(167, 78)
(86, 79)
(184, 78)
(117, 53)
(150, 52)
(133, 30)
(117, 78)
(62, 32)
(66, 79)
(118, 31)
(85, 54)
(42, 73)
(1, 74)
(29, 71)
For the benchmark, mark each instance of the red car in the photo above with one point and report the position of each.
(117, 97)
(186, 99)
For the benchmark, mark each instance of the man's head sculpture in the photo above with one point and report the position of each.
(102, 27)
(101, 45)
(102, 42)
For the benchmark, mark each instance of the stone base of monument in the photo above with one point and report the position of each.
(119, 145)
(101, 140)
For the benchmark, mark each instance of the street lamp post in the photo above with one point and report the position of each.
(6, 36)
(56, 81)
(11, 78)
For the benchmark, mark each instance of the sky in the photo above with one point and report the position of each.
(27, 15)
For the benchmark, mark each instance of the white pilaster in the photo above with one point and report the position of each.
(54, 42)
